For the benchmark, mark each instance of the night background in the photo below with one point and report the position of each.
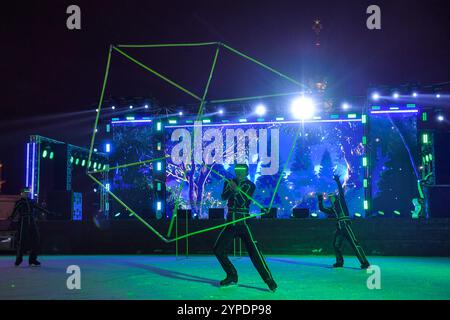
(48, 71)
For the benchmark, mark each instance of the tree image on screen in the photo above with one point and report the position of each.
(134, 184)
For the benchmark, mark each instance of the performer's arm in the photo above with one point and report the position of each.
(226, 192)
(246, 191)
(38, 207)
(321, 207)
(251, 191)
(419, 187)
(420, 183)
(15, 211)
(341, 194)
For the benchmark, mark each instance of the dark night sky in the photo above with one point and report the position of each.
(47, 69)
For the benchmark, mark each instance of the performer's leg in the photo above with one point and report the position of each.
(356, 246)
(20, 242)
(223, 242)
(35, 243)
(256, 256)
(337, 245)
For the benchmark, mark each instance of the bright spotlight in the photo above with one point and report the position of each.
(303, 108)
(146, 106)
(113, 107)
(396, 95)
(440, 117)
(375, 96)
(438, 96)
(345, 106)
(260, 110)
(414, 94)
(180, 113)
(221, 111)
(131, 107)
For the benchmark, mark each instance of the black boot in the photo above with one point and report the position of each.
(272, 285)
(18, 261)
(230, 280)
(365, 265)
(34, 263)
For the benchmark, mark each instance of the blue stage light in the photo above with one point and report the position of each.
(303, 108)
(375, 96)
(260, 110)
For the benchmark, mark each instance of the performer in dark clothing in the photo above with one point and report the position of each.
(28, 233)
(237, 192)
(344, 230)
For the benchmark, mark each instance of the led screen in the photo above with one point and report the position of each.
(199, 155)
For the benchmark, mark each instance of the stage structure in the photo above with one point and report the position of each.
(368, 149)
(55, 176)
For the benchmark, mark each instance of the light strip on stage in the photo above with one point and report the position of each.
(131, 121)
(27, 166)
(32, 170)
(394, 111)
(277, 122)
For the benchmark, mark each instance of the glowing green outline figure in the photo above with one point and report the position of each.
(199, 115)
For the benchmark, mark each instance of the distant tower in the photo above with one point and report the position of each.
(319, 82)
(317, 27)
